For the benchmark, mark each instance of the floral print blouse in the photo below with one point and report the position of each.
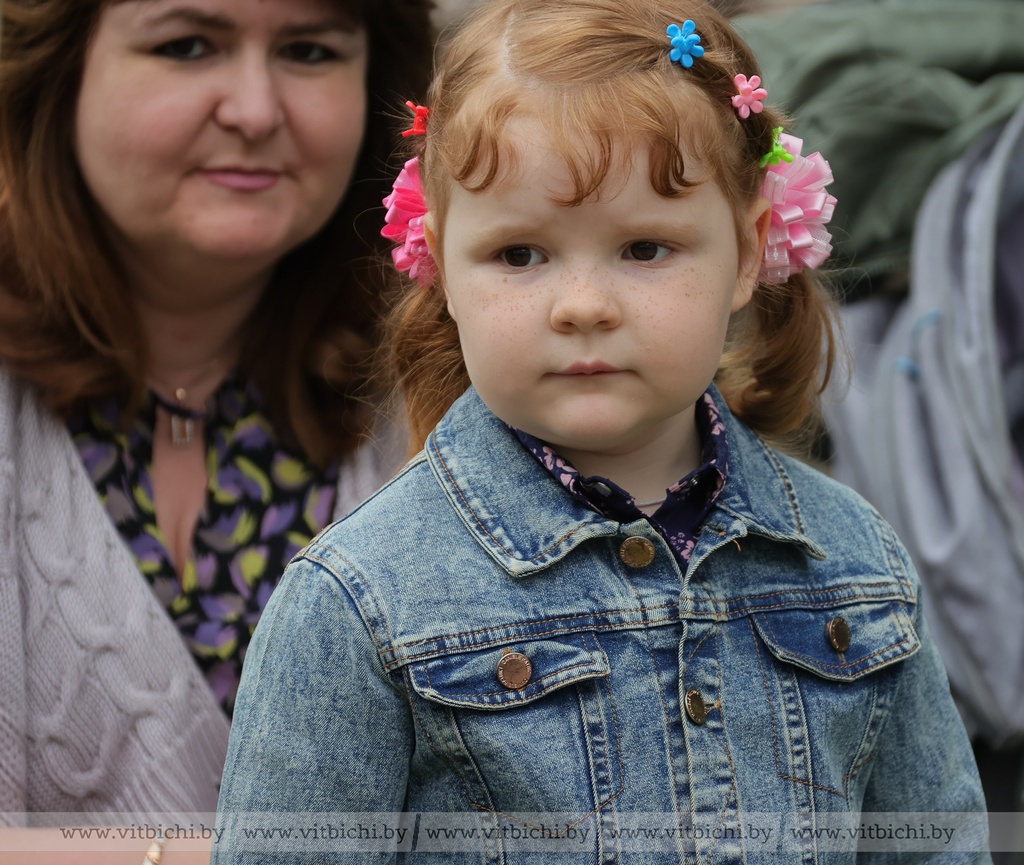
(264, 502)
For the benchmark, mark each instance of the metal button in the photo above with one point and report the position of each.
(514, 671)
(696, 709)
(839, 634)
(637, 552)
(602, 489)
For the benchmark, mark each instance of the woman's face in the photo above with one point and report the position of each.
(219, 133)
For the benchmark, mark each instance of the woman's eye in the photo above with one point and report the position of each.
(186, 48)
(521, 256)
(647, 250)
(308, 52)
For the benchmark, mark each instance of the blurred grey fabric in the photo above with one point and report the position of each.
(925, 431)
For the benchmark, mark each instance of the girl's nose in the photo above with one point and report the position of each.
(586, 302)
(251, 103)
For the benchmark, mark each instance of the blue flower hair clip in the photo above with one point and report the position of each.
(685, 43)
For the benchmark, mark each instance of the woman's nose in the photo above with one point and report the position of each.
(585, 302)
(250, 103)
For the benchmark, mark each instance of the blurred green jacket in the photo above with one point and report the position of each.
(889, 92)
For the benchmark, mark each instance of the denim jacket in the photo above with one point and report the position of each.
(472, 647)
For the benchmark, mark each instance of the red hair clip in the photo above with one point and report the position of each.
(419, 122)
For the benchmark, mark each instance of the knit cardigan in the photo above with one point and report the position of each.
(102, 708)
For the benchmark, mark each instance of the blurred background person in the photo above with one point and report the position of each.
(190, 193)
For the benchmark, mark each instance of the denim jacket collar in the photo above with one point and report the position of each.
(526, 521)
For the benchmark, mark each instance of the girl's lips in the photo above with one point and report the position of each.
(588, 368)
(239, 180)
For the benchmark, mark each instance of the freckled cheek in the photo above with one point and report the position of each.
(498, 328)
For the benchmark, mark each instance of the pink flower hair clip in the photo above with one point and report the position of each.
(795, 187)
(751, 96)
(404, 224)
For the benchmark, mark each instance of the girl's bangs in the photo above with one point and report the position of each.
(594, 128)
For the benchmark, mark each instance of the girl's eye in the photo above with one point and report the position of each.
(186, 48)
(308, 52)
(647, 250)
(521, 256)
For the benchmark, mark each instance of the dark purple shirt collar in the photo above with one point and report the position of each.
(687, 502)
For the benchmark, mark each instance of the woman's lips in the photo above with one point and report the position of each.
(241, 180)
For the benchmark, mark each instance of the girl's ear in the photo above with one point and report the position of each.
(758, 221)
(430, 236)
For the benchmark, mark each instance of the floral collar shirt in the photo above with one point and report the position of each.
(687, 502)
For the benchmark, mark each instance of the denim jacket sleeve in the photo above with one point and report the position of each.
(319, 734)
(925, 738)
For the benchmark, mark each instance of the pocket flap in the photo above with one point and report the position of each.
(840, 643)
(470, 679)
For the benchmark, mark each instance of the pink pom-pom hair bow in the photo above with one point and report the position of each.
(797, 237)
(404, 224)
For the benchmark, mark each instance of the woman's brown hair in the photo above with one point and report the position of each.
(67, 325)
(597, 75)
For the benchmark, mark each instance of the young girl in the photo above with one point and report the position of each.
(598, 618)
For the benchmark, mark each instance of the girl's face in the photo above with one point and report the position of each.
(595, 328)
(219, 132)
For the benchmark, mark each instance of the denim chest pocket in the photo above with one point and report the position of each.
(544, 740)
(831, 678)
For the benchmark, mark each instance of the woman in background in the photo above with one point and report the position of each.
(187, 303)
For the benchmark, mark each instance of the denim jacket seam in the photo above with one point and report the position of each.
(864, 761)
(504, 691)
(582, 628)
(518, 819)
(775, 732)
(713, 632)
(664, 704)
(733, 797)
(870, 758)
(480, 524)
(728, 756)
(900, 565)
(618, 749)
(547, 621)
(898, 622)
(358, 591)
(787, 484)
(721, 604)
(409, 691)
(789, 593)
(696, 648)
(590, 626)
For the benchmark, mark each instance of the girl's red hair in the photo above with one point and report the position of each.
(597, 75)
